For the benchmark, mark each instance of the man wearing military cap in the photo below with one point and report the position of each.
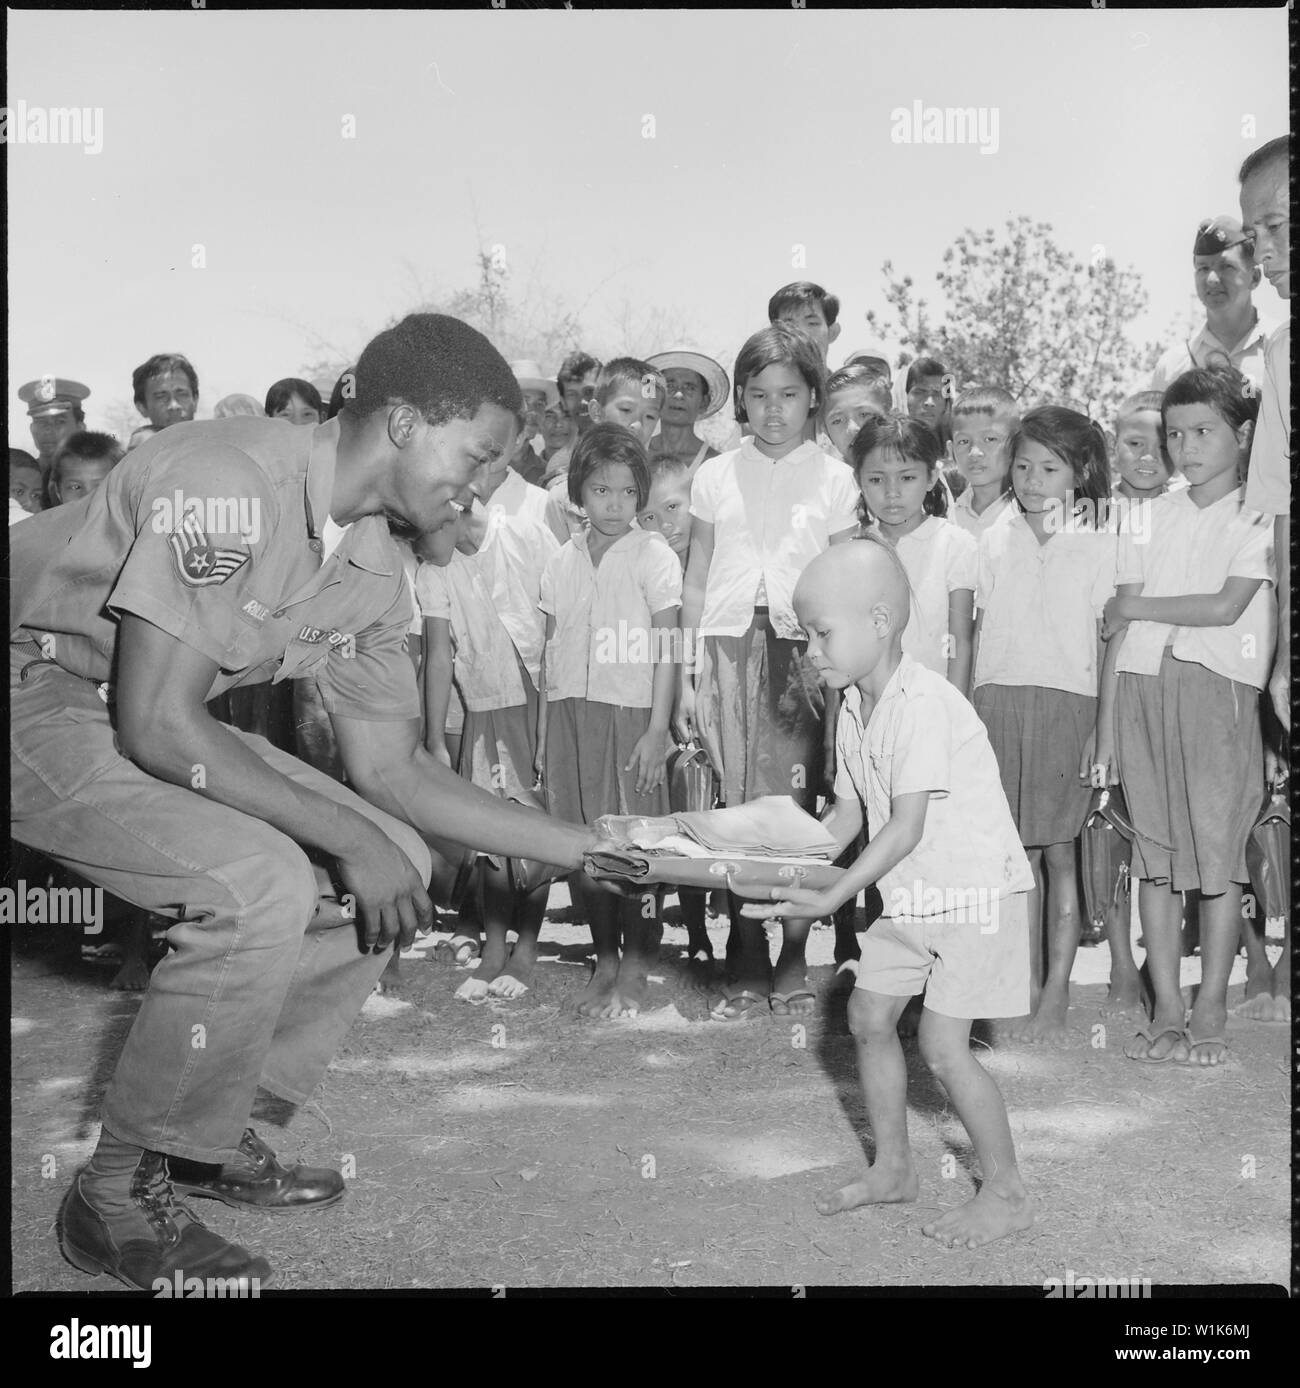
(1234, 332)
(54, 407)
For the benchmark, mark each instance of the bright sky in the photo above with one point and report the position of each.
(225, 130)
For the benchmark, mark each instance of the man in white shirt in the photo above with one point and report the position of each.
(1265, 210)
(1234, 332)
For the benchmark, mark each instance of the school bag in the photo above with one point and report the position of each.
(1106, 844)
(1268, 856)
(691, 780)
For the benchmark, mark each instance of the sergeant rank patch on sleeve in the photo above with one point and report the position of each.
(199, 562)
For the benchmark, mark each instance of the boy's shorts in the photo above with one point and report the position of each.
(966, 969)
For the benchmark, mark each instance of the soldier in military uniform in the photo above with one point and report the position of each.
(218, 554)
(54, 407)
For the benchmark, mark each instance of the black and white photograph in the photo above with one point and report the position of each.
(650, 656)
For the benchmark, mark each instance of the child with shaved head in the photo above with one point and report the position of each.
(953, 875)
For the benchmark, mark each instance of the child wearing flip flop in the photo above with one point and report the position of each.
(481, 610)
(762, 512)
(611, 597)
(1190, 634)
(953, 875)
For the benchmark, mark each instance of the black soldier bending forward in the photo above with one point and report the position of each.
(222, 554)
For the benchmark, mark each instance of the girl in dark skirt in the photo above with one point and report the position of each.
(1045, 575)
(611, 598)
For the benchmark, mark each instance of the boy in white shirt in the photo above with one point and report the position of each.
(983, 421)
(952, 872)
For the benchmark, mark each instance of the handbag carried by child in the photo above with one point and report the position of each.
(692, 782)
(1106, 844)
(1268, 856)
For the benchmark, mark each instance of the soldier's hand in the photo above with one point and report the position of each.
(391, 900)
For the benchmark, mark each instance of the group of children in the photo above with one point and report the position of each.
(961, 617)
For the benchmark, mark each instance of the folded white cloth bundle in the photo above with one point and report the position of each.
(771, 826)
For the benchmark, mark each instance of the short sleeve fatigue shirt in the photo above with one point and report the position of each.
(212, 532)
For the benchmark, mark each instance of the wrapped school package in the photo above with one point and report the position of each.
(769, 842)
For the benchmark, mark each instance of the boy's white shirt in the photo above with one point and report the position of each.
(1040, 605)
(490, 598)
(922, 735)
(962, 512)
(1189, 549)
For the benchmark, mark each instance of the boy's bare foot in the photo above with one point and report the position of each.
(988, 1216)
(630, 993)
(1124, 998)
(880, 1186)
(1048, 1022)
(1258, 1004)
(507, 986)
(595, 998)
(1256, 1007)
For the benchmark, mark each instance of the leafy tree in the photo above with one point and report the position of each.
(1023, 314)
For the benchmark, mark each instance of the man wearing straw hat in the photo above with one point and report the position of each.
(697, 388)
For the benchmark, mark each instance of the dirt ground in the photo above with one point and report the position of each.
(517, 1145)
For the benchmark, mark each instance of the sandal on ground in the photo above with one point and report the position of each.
(1206, 1041)
(742, 1004)
(459, 950)
(785, 999)
(1144, 1034)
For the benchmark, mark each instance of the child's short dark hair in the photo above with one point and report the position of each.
(909, 439)
(790, 298)
(859, 374)
(923, 368)
(1075, 439)
(668, 465)
(631, 373)
(1224, 389)
(609, 443)
(344, 388)
(779, 344)
(20, 457)
(162, 364)
(87, 446)
(987, 400)
(283, 391)
(438, 365)
(574, 367)
(1138, 403)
